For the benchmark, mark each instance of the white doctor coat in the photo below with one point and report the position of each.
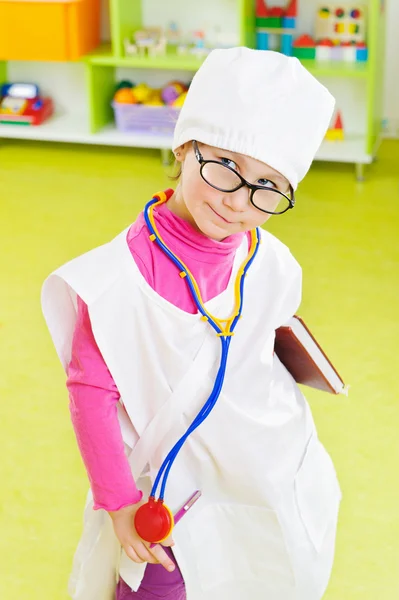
(265, 525)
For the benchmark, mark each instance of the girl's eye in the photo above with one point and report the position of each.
(229, 163)
(266, 183)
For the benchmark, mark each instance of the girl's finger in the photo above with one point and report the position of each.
(144, 553)
(163, 558)
(168, 542)
(132, 554)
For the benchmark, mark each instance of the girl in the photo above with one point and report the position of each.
(171, 391)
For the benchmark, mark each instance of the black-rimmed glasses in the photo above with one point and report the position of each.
(225, 179)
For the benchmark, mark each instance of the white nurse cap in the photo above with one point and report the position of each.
(259, 103)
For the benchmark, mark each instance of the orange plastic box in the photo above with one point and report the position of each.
(48, 29)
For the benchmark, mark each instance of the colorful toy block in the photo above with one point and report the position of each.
(289, 23)
(348, 52)
(323, 49)
(261, 8)
(276, 12)
(262, 40)
(304, 47)
(337, 53)
(336, 133)
(292, 9)
(344, 23)
(287, 43)
(361, 52)
(276, 21)
(304, 53)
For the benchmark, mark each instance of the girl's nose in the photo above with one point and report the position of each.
(237, 201)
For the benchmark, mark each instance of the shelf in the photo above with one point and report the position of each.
(109, 135)
(60, 128)
(330, 68)
(72, 129)
(171, 60)
(103, 56)
(351, 150)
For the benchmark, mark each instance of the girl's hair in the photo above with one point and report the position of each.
(177, 170)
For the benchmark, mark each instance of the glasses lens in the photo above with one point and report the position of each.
(270, 201)
(220, 176)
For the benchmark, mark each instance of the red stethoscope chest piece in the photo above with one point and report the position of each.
(154, 521)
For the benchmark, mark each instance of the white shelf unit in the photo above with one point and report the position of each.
(75, 129)
(67, 84)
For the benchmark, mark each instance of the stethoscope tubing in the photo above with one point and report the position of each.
(225, 338)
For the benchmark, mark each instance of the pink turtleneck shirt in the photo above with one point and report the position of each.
(92, 391)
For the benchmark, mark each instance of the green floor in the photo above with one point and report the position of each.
(57, 201)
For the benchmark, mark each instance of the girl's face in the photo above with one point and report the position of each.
(220, 214)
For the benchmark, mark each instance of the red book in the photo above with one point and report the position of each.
(303, 357)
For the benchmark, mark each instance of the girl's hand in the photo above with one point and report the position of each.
(136, 548)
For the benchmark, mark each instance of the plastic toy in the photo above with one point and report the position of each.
(345, 27)
(172, 94)
(145, 110)
(343, 23)
(178, 103)
(337, 51)
(22, 104)
(125, 83)
(323, 49)
(173, 35)
(361, 52)
(155, 98)
(150, 41)
(141, 93)
(336, 133)
(155, 521)
(124, 96)
(304, 47)
(196, 46)
(153, 41)
(276, 17)
(348, 51)
(274, 23)
(172, 91)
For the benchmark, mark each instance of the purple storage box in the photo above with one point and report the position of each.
(145, 119)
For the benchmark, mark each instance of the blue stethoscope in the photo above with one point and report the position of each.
(154, 520)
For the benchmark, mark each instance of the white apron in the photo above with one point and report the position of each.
(265, 525)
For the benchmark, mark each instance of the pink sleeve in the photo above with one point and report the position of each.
(93, 405)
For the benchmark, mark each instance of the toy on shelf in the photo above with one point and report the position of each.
(336, 132)
(323, 49)
(150, 41)
(172, 92)
(341, 33)
(276, 17)
(129, 93)
(39, 30)
(173, 34)
(361, 52)
(304, 47)
(197, 45)
(140, 108)
(275, 26)
(154, 41)
(22, 104)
